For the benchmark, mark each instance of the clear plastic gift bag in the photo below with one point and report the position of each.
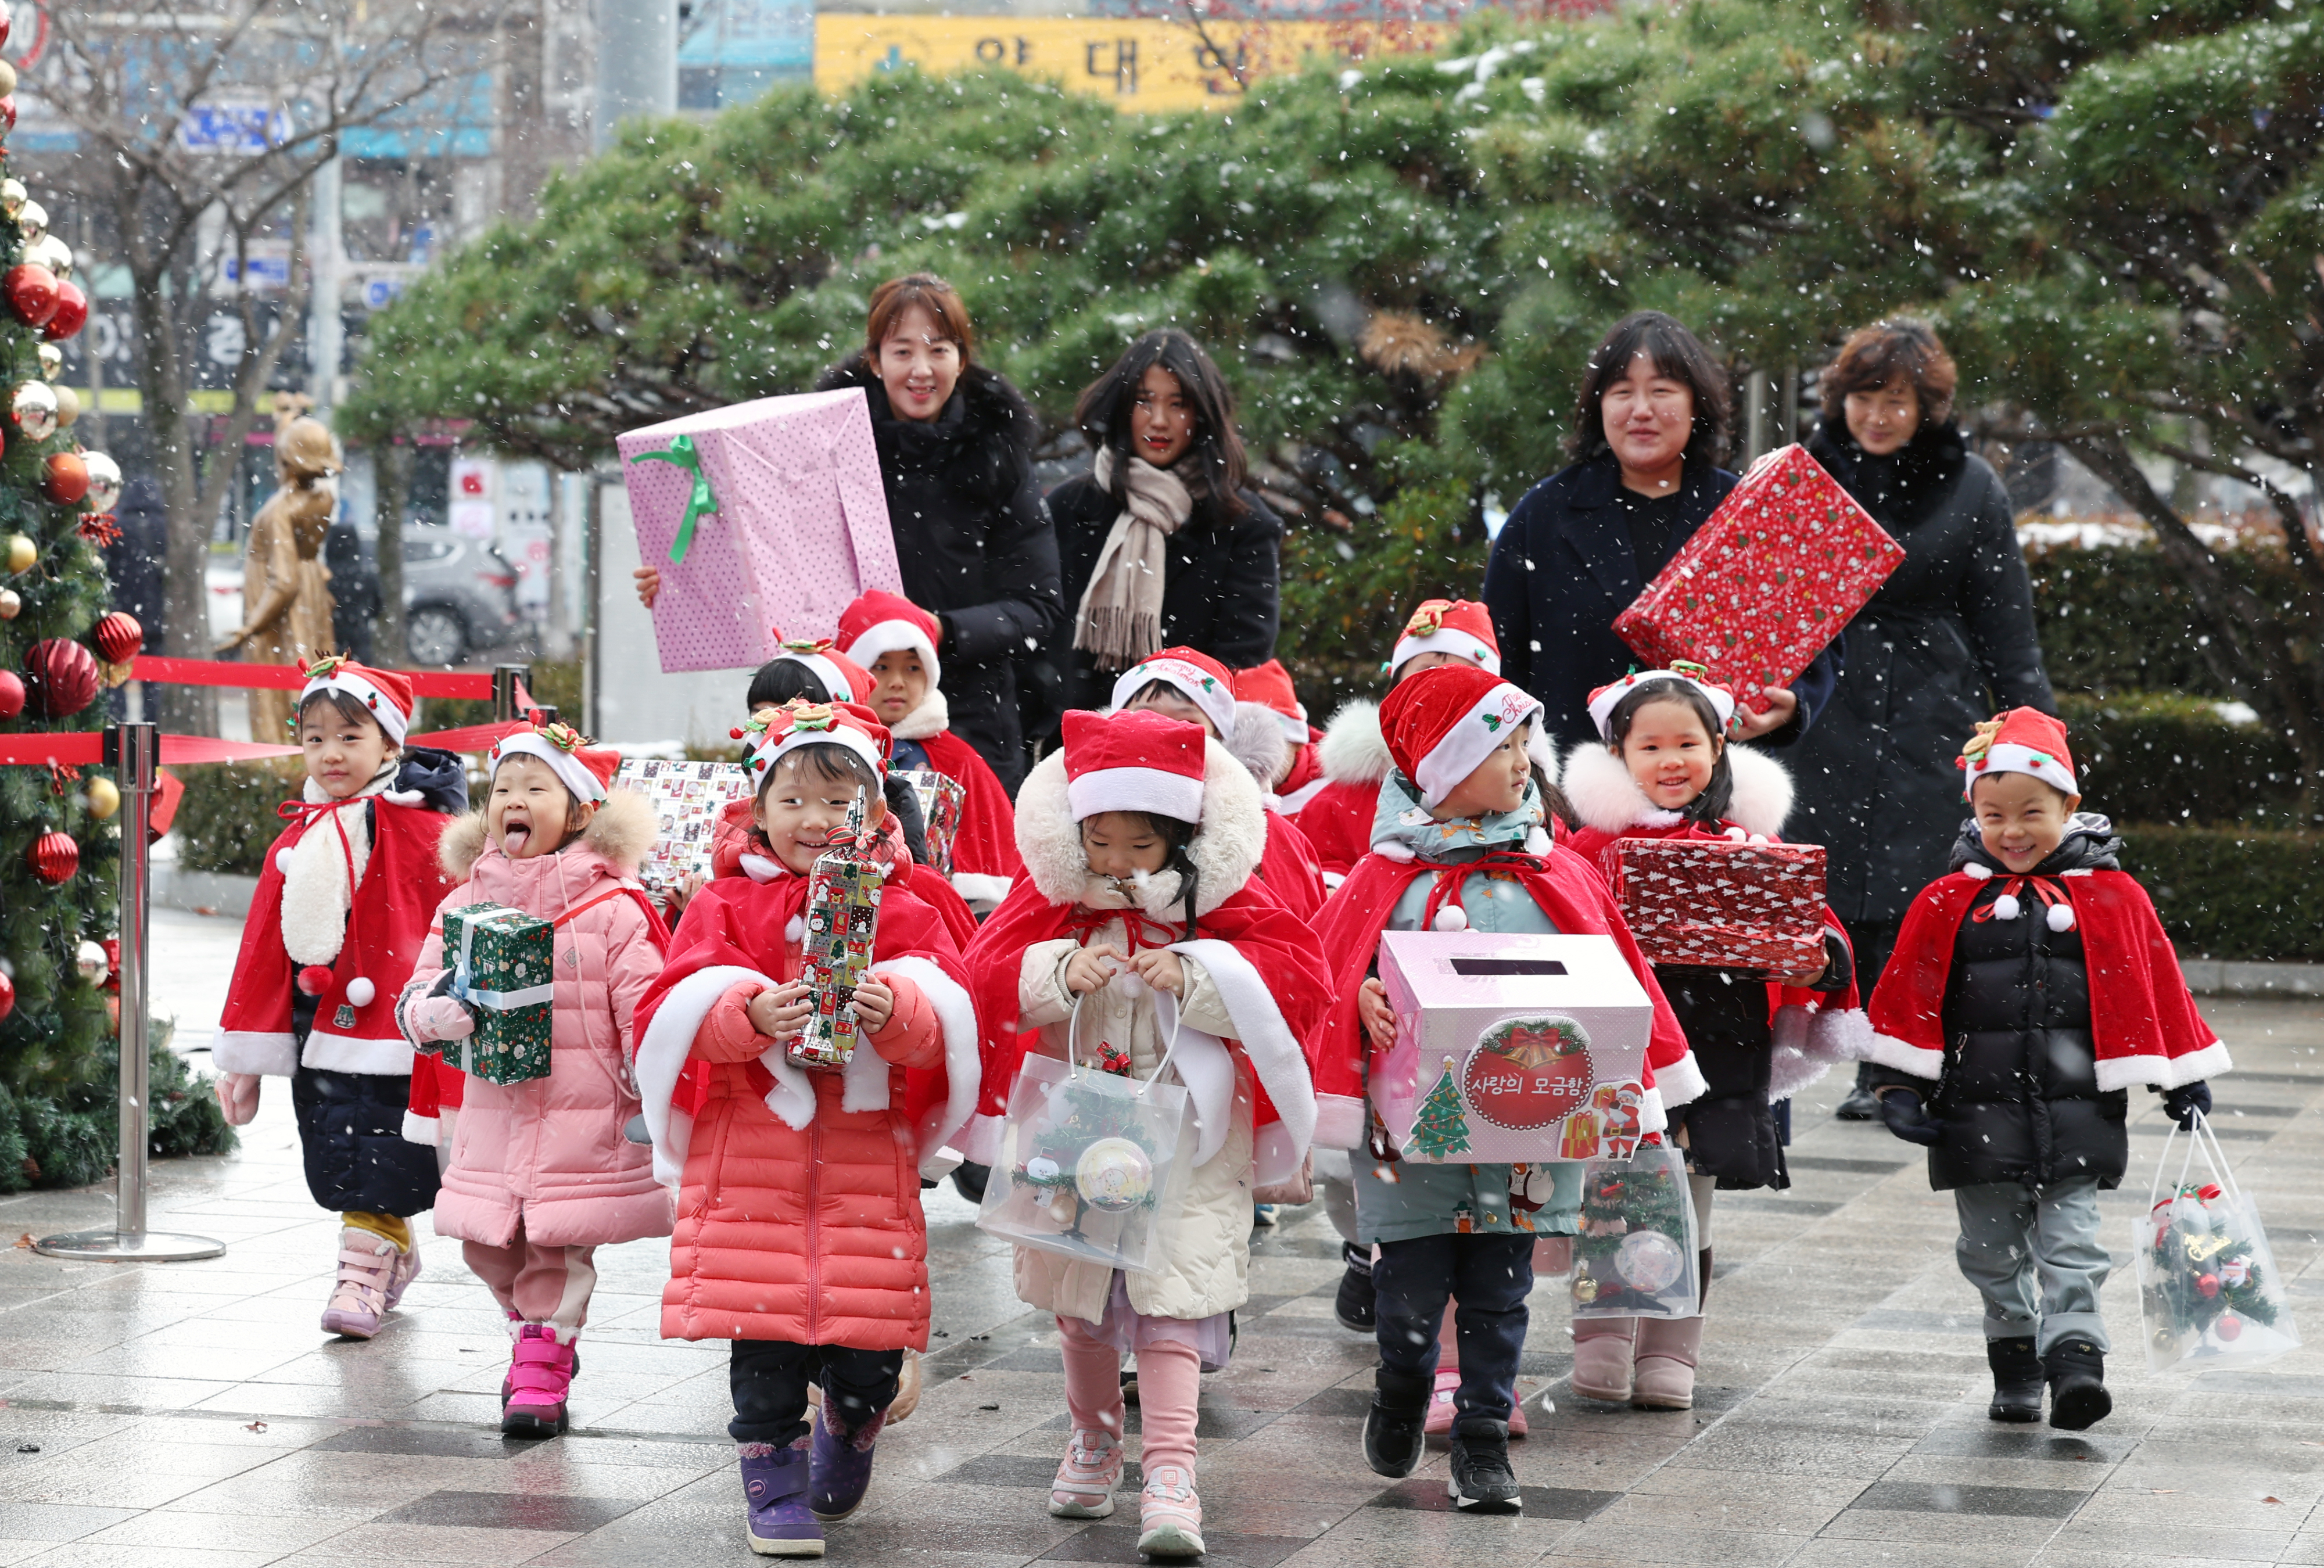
(2209, 1294)
(1092, 1155)
(1635, 1255)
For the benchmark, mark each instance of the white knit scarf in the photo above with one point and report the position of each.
(1121, 616)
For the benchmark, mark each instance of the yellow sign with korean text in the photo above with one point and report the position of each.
(1144, 64)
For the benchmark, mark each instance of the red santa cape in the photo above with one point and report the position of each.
(394, 898)
(1261, 958)
(1353, 758)
(1812, 1028)
(1289, 867)
(2142, 1022)
(984, 861)
(1306, 781)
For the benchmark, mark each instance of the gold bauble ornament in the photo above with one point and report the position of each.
(104, 798)
(33, 221)
(22, 553)
(54, 254)
(68, 406)
(13, 198)
(1586, 1289)
(52, 361)
(7, 79)
(11, 602)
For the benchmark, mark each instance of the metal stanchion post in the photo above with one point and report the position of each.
(506, 678)
(134, 751)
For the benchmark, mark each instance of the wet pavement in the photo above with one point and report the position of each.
(194, 1410)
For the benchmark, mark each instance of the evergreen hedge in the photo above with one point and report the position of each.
(2233, 892)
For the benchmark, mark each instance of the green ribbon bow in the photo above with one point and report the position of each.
(682, 455)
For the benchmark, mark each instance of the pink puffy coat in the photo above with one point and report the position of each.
(550, 1151)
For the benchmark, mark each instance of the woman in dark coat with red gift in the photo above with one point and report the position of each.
(1946, 644)
(1650, 430)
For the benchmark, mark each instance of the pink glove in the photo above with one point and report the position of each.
(237, 1095)
(439, 1018)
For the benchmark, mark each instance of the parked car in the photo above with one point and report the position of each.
(459, 597)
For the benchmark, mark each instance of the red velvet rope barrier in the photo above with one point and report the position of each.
(448, 683)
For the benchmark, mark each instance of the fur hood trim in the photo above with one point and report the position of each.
(1605, 797)
(1354, 750)
(1258, 742)
(623, 831)
(932, 717)
(1226, 848)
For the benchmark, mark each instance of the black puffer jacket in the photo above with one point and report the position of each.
(2019, 1096)
(1946, 644)
(972, 542)
(1730, 1127)
(1219, 581)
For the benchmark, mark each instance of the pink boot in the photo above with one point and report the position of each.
(1442, 1409)
(1602, 1348)
(540, 1381)
(1665, 1376)
(373, 1274)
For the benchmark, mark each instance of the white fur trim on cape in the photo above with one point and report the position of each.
(1840, 1034)
(2164, 1072)
(1339, 1123)
(270, 1054)
(1258, 743)
(1226, 849)
(1291, 805)
(661, 1056)
(1274, 1053)
(1681, 1082)
(982, 887)
(1606, 798)
(329, 1052)
(1905, 1057)
(317, 891)
(932, 717)
(981, 1142)
(1794, 1063)
(1354, 748)
(418, 1129)
(1653, 1115)
(964, 1073)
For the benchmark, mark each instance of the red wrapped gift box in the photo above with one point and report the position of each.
(1785, 563)
(1722, 903)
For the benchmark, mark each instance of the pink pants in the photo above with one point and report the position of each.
(1169, 1377)
(543, 1285)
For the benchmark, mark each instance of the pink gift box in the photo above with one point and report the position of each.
(799, 527)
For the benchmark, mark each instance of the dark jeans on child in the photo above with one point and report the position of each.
(1490, 1276)
(771, 1379)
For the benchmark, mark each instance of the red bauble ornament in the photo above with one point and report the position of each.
(8, 112)
(33, 294)
(7, 997)
(119, 637)
(62, 677)
(2208, 1284)
(55, 858)
(2229, 1327)
(12, 695)
(71, 313)
(5, 22)
(64, 478)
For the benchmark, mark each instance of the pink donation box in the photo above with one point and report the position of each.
(1510, 1047)
(766, 514)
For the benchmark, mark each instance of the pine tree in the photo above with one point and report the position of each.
(59, 1053)
(1441, 1126)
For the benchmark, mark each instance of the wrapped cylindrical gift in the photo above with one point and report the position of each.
(842, 914)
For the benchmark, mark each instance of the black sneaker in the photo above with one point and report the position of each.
(968, 1180)
(2017, 1374)
(2078, 1391)
(1356, 1306)
(1394, 1434)
(1861, 1105)
(1481, 1478)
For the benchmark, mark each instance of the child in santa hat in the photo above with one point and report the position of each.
(1663, 769)
(2032, 988)
(1184, 684)
(896, 641)
(800, 1234)
(335, 926)
(1269, 687)
(1353, 755)
(1139, 839)
(539, 1175)
(1460, 842)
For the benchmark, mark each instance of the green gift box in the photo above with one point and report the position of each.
(503, 963)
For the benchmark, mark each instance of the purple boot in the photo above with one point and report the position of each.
(842, 1467)
(781, 1524)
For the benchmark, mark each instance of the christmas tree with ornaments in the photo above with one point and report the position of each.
(60, 825)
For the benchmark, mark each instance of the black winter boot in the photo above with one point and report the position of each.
(1358, 1304)
(1393, 1438)
(2078, 1393)
(2017, 1373)
(1480, 1477)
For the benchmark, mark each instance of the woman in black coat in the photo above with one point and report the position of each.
(1163, 423)
(1649, 429)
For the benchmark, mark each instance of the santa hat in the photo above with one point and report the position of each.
(386, 694)
(2021, 741)
(880, 623)
(1137, 760)
(844, 680)
(1444, 723)
(1201, 679)
(1269, 685)
(1607, 698)
(777, 733)
(1460, 627)
(588, 774)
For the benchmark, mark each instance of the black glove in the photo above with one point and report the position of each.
(1901, 1109)
(2181, 1104)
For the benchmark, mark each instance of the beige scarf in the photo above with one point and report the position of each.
(1121, 616)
